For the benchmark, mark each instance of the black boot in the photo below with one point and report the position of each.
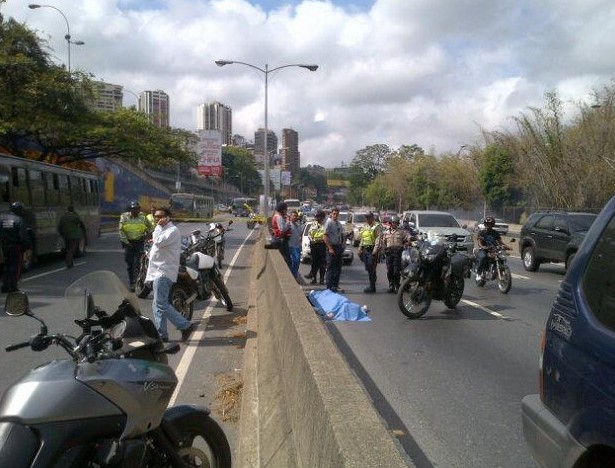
(370, 289)
(391, 288)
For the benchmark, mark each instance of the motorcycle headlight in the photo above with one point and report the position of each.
(406, 258)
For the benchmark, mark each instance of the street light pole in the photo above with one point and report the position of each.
(34, 6)
(266, 72)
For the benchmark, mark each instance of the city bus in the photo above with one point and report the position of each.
(46, 190)
(190, 205)
(238, 206)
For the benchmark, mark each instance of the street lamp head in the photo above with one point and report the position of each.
(33, 6)
(78, 42)
(310, 67)
(221, 63)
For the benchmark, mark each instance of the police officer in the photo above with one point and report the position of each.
(134, 229)
(318, 249)
(15, 240)
(369, 235)
(393, 243)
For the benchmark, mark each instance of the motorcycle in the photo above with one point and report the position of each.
(496, 268)
(105, 405)
(432, 269)
(219, 242)
(199, 276)
(143, 288)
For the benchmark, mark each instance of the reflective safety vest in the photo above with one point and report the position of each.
(368, 235)
(133, 229)
(317, 233)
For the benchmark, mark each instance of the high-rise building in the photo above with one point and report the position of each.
(156, 105)
(272, 146)
(216, 116)
(107, 96)
(291, 158)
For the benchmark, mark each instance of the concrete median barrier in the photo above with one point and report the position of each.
(302, 405)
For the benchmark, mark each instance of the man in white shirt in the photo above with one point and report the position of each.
(162, 271)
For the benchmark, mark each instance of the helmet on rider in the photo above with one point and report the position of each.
(395, 219)
(134, 205)
(17, 208)
(489, 221)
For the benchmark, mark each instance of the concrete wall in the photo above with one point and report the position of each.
(302, 405)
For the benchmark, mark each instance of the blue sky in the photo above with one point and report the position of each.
(429, 72)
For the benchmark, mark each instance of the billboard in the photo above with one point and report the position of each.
(209, 151)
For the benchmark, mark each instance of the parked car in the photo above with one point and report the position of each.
(552, 236)
(443, 224)
(501, 226)
(571, 421)
(306, 254)
(346, 220)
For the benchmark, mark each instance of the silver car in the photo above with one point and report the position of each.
(441, 223)
(306, 254)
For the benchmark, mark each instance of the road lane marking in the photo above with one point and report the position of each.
(515, 275)
(485, 309)
(40, 275)
(192, 345)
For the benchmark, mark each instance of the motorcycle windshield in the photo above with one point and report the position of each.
(105, 288)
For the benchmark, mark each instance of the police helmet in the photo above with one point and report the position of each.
(17, 207)
(134, 205)
(395, 219)
(489, 221)
(369, 215)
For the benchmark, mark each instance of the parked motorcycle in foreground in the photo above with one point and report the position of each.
(496, 268)
(105, 405)
(431, 270)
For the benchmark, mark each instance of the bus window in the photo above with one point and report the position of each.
(76, 189)
(51, 183)
(37, 188)
(5, 194)
(20, 186)
(64, 190)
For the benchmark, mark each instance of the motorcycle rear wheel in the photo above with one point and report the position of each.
(412, 299)
(454, 291)
(505, 283)
(221, 292)
(142, 287)
(179, 297)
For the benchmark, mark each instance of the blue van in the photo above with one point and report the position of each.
(571, 422)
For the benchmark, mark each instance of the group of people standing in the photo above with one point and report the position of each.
(375, 240)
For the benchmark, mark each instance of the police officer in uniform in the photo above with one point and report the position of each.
(369, 236)
(15, 240)
(134, 229)
(318, 248)
(393, 243)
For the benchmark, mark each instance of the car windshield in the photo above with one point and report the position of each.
(359, 218)
(343, 217)
(581, 222)
(437, 220)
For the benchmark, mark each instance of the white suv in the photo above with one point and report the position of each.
(443, 224)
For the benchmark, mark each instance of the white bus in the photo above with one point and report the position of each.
(293, 204)
(189, 205)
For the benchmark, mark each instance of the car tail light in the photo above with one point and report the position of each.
(540, 364)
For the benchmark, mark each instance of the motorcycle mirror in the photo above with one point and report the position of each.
(230, 222)
(16, 304)
(89, 305)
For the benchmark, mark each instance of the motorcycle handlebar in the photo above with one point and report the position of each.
(16, 346)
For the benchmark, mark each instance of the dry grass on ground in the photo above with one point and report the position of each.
(228, 398)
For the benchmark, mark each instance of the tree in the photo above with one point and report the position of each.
(365, 167)
(240, 169)
(497, 178)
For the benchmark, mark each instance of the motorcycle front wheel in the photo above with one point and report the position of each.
(505, 279)
(202, 443)
(413, 299)
(454, 291)
(221, 292)
(219, 255)
(179, 299)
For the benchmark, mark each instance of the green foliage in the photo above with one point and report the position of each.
(497, 177)
(240, 169)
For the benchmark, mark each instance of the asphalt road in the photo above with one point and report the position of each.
(450, 384)
(209, 363)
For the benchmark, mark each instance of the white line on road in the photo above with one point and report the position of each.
(484, 309)
(40, 275)
(192, 346)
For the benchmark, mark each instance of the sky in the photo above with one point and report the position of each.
(434, 73)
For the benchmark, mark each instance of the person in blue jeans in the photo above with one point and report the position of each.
(294, 242)
(162, 271)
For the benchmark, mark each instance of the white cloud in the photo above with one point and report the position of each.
(430, 72)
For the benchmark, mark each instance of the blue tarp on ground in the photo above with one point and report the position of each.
(334, 306)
